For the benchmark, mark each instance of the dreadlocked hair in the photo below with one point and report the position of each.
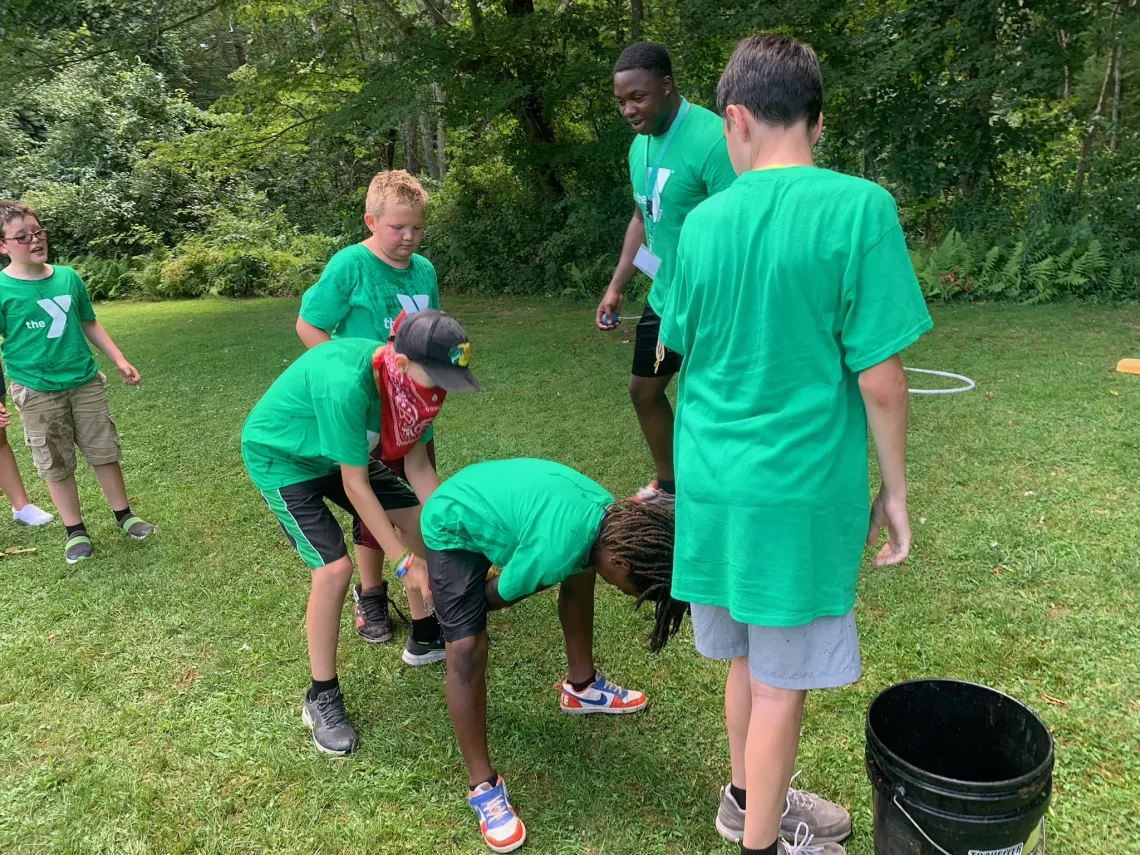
(641, 535)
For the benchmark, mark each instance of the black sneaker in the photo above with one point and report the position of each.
(420, 653)
(325, 716)
(371, 610)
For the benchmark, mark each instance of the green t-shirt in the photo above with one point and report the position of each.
(787, 285)
(322, 411)
(40, 319)
(359, 295)
(695, 166)
(535, 519)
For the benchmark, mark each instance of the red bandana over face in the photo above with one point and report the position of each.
(406, 407)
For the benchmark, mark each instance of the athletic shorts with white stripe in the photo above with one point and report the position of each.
(309, 523)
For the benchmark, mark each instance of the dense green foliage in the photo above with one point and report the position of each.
(190, 147)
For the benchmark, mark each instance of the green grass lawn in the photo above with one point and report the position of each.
(150, 698)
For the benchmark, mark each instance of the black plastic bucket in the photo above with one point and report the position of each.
(957, 769)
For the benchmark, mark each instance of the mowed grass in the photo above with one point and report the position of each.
(150, 698)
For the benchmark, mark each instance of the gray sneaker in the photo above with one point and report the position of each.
(730, 817)
(325, 716)
(824, 822)
(803, 843)
(77, 547)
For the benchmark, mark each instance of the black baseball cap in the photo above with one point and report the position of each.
(435, 340)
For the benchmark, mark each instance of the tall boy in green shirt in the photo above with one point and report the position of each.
(362, 291)
(792, 298)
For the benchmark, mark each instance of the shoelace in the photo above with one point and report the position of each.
(375, 607)
(801, 842)
(797, 798)
(331, 710)
(496, 810)
(606, 686)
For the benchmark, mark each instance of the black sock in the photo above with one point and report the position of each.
(323, 686)
(738, 794)
(122, 515)
(78, 528)
(425, 630)
(581, 687)
(667, 486)
(494, 779)
(766, 850)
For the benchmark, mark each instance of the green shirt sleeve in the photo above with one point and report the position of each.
(341, 423)
(677, 312)
(883, 307)
(83, 300)
(717, 171)
(325, 304)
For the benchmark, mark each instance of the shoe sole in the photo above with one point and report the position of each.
(312, 725)
(76, 560)
(32, 524)
(731, 835)
(789, 834)
(510, 848)
(382, 639)
(139, 536)
(414, 659)
(603, 710)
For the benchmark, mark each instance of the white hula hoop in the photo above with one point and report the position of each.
(969, 383)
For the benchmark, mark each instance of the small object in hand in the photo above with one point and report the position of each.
(608, 318)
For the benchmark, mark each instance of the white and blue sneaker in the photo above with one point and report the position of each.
(502, 829)
(601, 696)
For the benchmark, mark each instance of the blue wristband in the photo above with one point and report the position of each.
(402, 565)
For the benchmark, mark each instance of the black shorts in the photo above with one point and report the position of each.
(645, 349)
(458, 579)
(309, 522)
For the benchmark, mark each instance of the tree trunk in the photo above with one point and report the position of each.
(388, 152)
(429, 146)
(411, 161)
(1086, 146)
(1116, 98)
(635, 17)
(440, 131)
(476, 15)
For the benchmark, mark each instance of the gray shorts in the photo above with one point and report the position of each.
(822, 654)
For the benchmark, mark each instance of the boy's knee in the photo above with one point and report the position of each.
(763, 693)
(643, 392)
(467, 657)
(338, 572)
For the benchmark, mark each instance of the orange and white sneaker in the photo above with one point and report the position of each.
(601, 696)
(502, 829)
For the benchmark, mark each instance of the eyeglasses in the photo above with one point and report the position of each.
(29, 238)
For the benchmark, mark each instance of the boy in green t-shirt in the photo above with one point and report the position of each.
(544, 524)
(792, 298)
(308, 441)
(676, 161)
(361, 292)
(46, 320)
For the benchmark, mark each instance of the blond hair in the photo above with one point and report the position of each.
(394, 187)
(13, 209)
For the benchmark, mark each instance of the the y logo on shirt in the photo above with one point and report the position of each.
(653, 207)
(57, 309)
(410, 304)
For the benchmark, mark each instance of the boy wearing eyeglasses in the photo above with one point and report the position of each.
(46, 321)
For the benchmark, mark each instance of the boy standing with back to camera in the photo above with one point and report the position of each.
(361, 292)
(796, 283)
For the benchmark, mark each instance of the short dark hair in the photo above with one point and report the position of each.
(13, 209)
(776, 78)
(647, 56)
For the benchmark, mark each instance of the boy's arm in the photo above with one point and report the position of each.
(371, 513)
(98, 337)
(884, 390)
(418, 471)
(310, 335)
(615, 293)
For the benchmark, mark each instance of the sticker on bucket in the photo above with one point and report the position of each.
(1009, 850)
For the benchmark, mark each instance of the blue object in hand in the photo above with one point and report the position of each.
(608, 319)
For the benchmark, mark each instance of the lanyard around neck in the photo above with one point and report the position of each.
(651, 179)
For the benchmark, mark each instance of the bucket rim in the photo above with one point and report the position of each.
(1044, 769)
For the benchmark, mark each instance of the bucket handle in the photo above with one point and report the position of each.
(900, 791)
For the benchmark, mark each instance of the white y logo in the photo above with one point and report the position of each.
(57, 308)
(413, 304)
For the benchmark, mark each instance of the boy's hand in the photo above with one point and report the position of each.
(129, 373)
(610, 308)
(891, 513)
(5, 419)
(416, 579)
